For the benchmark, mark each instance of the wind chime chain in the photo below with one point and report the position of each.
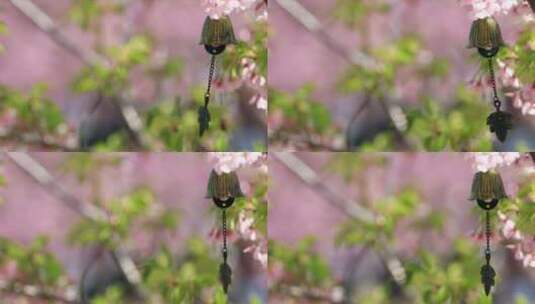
(210, 77)
(497, 102)
(487, 234)
(225, 250)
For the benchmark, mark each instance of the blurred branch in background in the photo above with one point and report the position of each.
(88, 57)
(42, 177)
(312, 24)
(350, 208)
(132, 85)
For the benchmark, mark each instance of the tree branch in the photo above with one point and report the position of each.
(350, 208)
(311, 178)
(87, 56)
(42, 177)
(312, 24)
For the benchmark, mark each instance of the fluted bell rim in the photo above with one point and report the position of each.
(218, 32)
(487, 186)
(223, 186)
(485, 33)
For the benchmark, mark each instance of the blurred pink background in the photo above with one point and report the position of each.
(31, 57)
(297, 57)
(443, 181)
(177, 180)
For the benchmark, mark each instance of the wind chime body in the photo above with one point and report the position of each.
(487, 191)
(485, 35)
(216, 35)
(223, 189)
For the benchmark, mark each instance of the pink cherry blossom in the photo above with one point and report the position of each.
(485, 161)
(219, 8)
(246, 231)
(486, 8)
(259, 252)
(245, 227)
(249, 77)
(523, 96)
(226, 162)
(260, 101)
(523, 246)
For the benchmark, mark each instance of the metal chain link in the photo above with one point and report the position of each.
(487, 234)
(210, 77)
(497, 102)
(225, 249)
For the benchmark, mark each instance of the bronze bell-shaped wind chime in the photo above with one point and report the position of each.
(487, 191)
(223, 189)
(216, 35)
(485, 35)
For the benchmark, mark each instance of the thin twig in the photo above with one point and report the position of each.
(87, 56)
(350, 208)
(311, 178)
(312, 24)
(44, 22)
(41, 175)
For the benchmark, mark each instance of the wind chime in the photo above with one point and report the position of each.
(216, 35)
(223, 189)
(487, 191)
(485, 35)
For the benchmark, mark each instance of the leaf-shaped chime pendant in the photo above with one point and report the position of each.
(223, 189)
(487, 191)
(485, 35)
(216, 35)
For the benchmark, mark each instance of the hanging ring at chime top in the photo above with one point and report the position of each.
(486, 36)
(217, 34)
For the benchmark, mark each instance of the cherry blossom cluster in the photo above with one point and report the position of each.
(485, 8)
(523, 246)
(226, 162)
(485, 161)
(219, 8)
(523, 96)
(249, 77)
(257, 245)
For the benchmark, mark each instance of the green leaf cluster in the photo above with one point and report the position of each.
(183, 280)
(301, 112)
(353, 13)
(302, 266)
(391, 210)
(175, 124)
(112, 78)
(393, 58)
(431, 280)
(35, 112)
(459, 128)
(33, 262)
(111, 231)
